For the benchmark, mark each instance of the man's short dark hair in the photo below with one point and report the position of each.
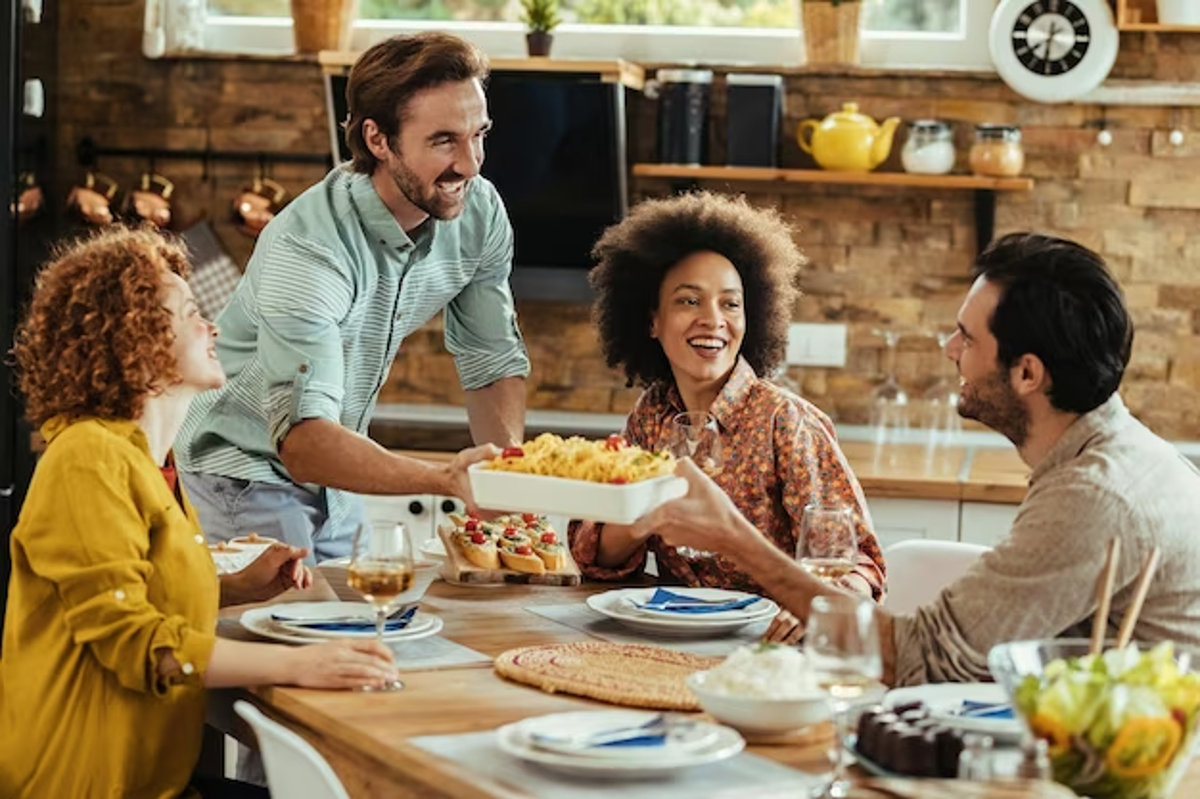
(1059, 302)
(386, 77)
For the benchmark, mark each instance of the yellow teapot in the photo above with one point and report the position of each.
(847, 141)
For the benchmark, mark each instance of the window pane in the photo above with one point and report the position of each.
(879, 15)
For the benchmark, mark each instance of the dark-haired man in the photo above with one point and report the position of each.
(337, 280)
(1042, 342)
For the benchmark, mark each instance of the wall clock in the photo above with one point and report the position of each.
(1053, 51)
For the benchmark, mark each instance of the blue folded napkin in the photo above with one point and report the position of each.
(366, 625)
(641, 740)
(670, 602)
(985, 710)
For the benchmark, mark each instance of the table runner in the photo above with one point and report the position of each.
(580, 617)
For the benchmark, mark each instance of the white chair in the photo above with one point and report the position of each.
(295, 770)
(918, 570)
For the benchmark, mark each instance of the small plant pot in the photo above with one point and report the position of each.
(537, 43)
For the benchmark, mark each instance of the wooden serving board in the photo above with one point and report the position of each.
(459, 569)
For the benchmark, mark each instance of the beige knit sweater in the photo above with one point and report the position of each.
(1107, 476)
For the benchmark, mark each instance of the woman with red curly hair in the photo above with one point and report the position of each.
(693, 299)
(110, 630)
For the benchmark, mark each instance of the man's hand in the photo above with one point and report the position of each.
(279, 568)
(705, 518)
(460, 481)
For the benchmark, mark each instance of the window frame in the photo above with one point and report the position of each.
(773, 47)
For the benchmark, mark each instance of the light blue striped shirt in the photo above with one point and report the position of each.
(333, 287)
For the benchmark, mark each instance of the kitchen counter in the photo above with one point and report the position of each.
(983, 468)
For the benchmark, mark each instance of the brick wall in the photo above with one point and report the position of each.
(879, 256)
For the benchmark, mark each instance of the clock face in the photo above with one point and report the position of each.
(1051, 37)
(1053, 51)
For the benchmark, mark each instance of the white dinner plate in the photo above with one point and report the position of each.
(619, 606)
(259, 621)
(513, 739)
(945, 702)
(554, 732)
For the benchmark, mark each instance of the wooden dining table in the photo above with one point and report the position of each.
(368, 737)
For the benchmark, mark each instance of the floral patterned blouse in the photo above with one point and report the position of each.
(780, 454)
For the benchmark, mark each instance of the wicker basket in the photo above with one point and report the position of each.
(830, 32)
(323, 24)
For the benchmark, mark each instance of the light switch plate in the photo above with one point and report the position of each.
(816, 344)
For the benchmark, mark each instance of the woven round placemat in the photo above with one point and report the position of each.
(636, 675)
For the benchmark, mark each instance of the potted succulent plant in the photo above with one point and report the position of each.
(830, 31)
(541, 17)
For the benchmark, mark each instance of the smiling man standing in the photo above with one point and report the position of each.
(336, 281)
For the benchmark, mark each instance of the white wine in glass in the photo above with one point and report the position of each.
(827, 548)
(381, 569)
(841, 642)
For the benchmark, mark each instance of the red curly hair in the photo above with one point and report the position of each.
(96, 340)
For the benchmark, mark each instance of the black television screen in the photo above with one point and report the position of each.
(556, 154)
(557, 157)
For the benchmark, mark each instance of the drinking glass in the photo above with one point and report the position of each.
(842, 645)
(381, 568)
(889, 404)
(695, 435)
(942, 423)
(827, 548)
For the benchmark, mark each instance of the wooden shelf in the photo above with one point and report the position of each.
(984, 189)
(824, 176)
(631, 75)
(1142, 16)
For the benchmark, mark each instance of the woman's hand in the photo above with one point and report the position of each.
(340, 664)
(279, 568)
(785, 629)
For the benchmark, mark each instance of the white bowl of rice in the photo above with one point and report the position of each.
(763, 689)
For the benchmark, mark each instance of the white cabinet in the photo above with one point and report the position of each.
(902, 519)
(985, 522)
(417, 512)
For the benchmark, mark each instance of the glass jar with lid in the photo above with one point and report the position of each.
(997, 151)
(929, 149)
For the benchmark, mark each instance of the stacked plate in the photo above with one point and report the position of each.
(683, 611)
(978, 707)
(618, 744)
(312, 622)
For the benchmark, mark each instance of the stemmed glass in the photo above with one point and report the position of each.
(695, 435)
(842, 645)
(889, 401)
(942, 422)
(381, 569)
(827, 548)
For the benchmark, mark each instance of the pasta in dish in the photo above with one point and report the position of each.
(609, 461)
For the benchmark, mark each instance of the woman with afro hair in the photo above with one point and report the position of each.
(694, 295)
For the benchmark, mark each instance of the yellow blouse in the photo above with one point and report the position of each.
(107, 571)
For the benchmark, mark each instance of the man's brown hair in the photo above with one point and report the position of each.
(386, 77)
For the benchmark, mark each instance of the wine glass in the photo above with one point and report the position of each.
(695, 435)
(942, 422)
(827, 548)
(381, 569)
(841, 642)
(889, 403)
